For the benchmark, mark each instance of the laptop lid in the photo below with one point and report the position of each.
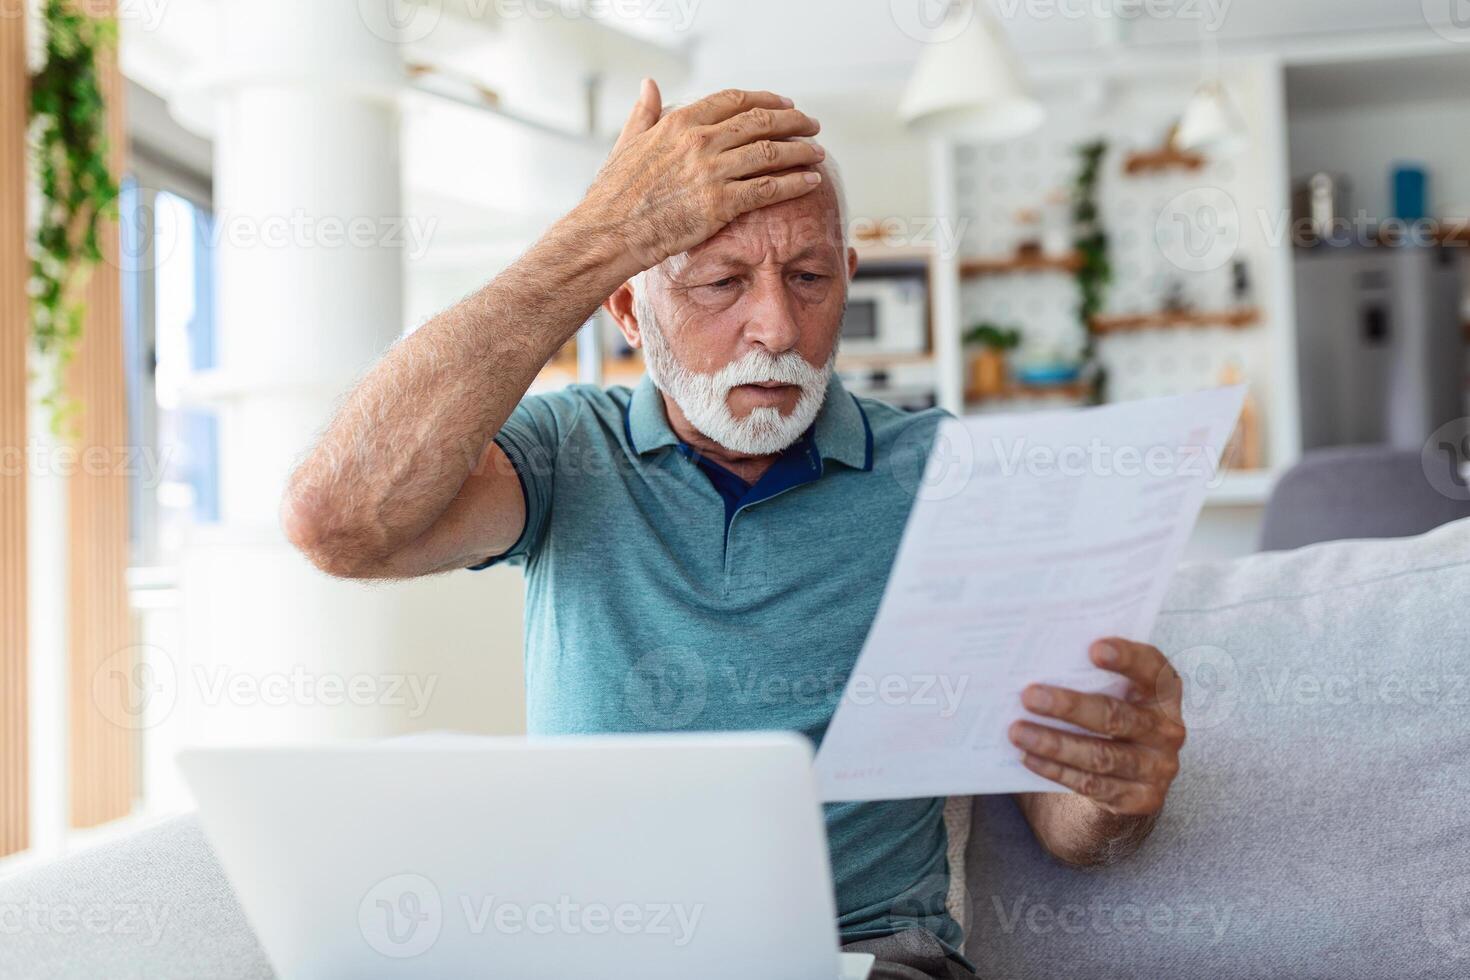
(647, 856)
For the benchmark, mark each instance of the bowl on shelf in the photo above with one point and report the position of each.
(1040, 375)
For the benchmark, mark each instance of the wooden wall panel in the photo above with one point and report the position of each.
(103, 745)
(14, 332)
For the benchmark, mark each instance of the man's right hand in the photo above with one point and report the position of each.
(406, 480)
(673, 182)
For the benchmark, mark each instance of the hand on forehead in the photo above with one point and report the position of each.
(806, 228)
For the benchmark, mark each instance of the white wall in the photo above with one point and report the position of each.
(1367, 142)
(885, 170)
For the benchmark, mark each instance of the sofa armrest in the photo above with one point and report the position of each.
(155, 905)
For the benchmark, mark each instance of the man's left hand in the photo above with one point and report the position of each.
(1128, 770)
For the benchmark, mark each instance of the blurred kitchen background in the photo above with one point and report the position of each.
(1057, 202)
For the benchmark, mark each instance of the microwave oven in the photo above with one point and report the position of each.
(886, 315)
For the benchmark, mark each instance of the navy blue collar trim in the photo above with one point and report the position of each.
(867, 436)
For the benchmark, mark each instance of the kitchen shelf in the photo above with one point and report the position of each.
(1022, 262)
(1161, 160)
(859, 361)
(1180, 320)
(876, 252)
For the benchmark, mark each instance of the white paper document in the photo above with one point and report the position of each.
(1031, 537)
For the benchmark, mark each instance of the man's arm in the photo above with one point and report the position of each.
(1122, 778)
(406, 480)
(1079, 832)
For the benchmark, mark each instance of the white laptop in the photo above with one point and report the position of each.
(657, 857)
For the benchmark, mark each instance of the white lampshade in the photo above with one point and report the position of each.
(968, 81)
(1211, 122)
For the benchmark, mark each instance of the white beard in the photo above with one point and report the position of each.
(704, 398)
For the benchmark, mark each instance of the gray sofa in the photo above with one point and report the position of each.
(1363, 492)
(1320, 827)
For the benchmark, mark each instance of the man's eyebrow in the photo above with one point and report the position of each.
(811, 250)
(703, 266)
(706, 265)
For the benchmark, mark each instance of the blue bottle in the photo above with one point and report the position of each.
(1410, 192)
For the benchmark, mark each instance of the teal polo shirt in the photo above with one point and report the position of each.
(655, 603)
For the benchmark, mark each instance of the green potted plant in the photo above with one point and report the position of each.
(77, 190)
(988, 369)
(1095, 270)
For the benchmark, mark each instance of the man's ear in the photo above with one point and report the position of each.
(623, 310)
(852, 263)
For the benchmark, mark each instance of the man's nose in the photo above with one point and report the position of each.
(772, 321)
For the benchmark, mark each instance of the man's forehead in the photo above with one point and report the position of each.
(806, 225)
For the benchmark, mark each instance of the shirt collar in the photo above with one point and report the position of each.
(841, 432)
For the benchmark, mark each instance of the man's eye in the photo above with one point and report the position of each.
(723, 283)
(810, 277)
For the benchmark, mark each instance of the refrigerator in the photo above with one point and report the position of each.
(1380, 344)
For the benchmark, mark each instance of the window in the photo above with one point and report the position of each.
(170, 340)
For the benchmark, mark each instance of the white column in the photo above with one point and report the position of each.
(309, 292)
(306, 193)
(949, 360)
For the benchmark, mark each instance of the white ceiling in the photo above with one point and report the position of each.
(804, 47)
(819, 47)
(848, 58)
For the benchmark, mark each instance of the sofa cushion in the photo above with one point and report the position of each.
(1320, 826)
(155, 906)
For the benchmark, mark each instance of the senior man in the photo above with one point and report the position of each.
(707, 550)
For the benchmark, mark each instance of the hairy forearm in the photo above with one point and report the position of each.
(1079, 832)
(414, 428)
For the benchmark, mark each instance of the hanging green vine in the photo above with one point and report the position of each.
(1095, 269)
(68, 117)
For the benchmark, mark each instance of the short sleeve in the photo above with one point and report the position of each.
(531, 439)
